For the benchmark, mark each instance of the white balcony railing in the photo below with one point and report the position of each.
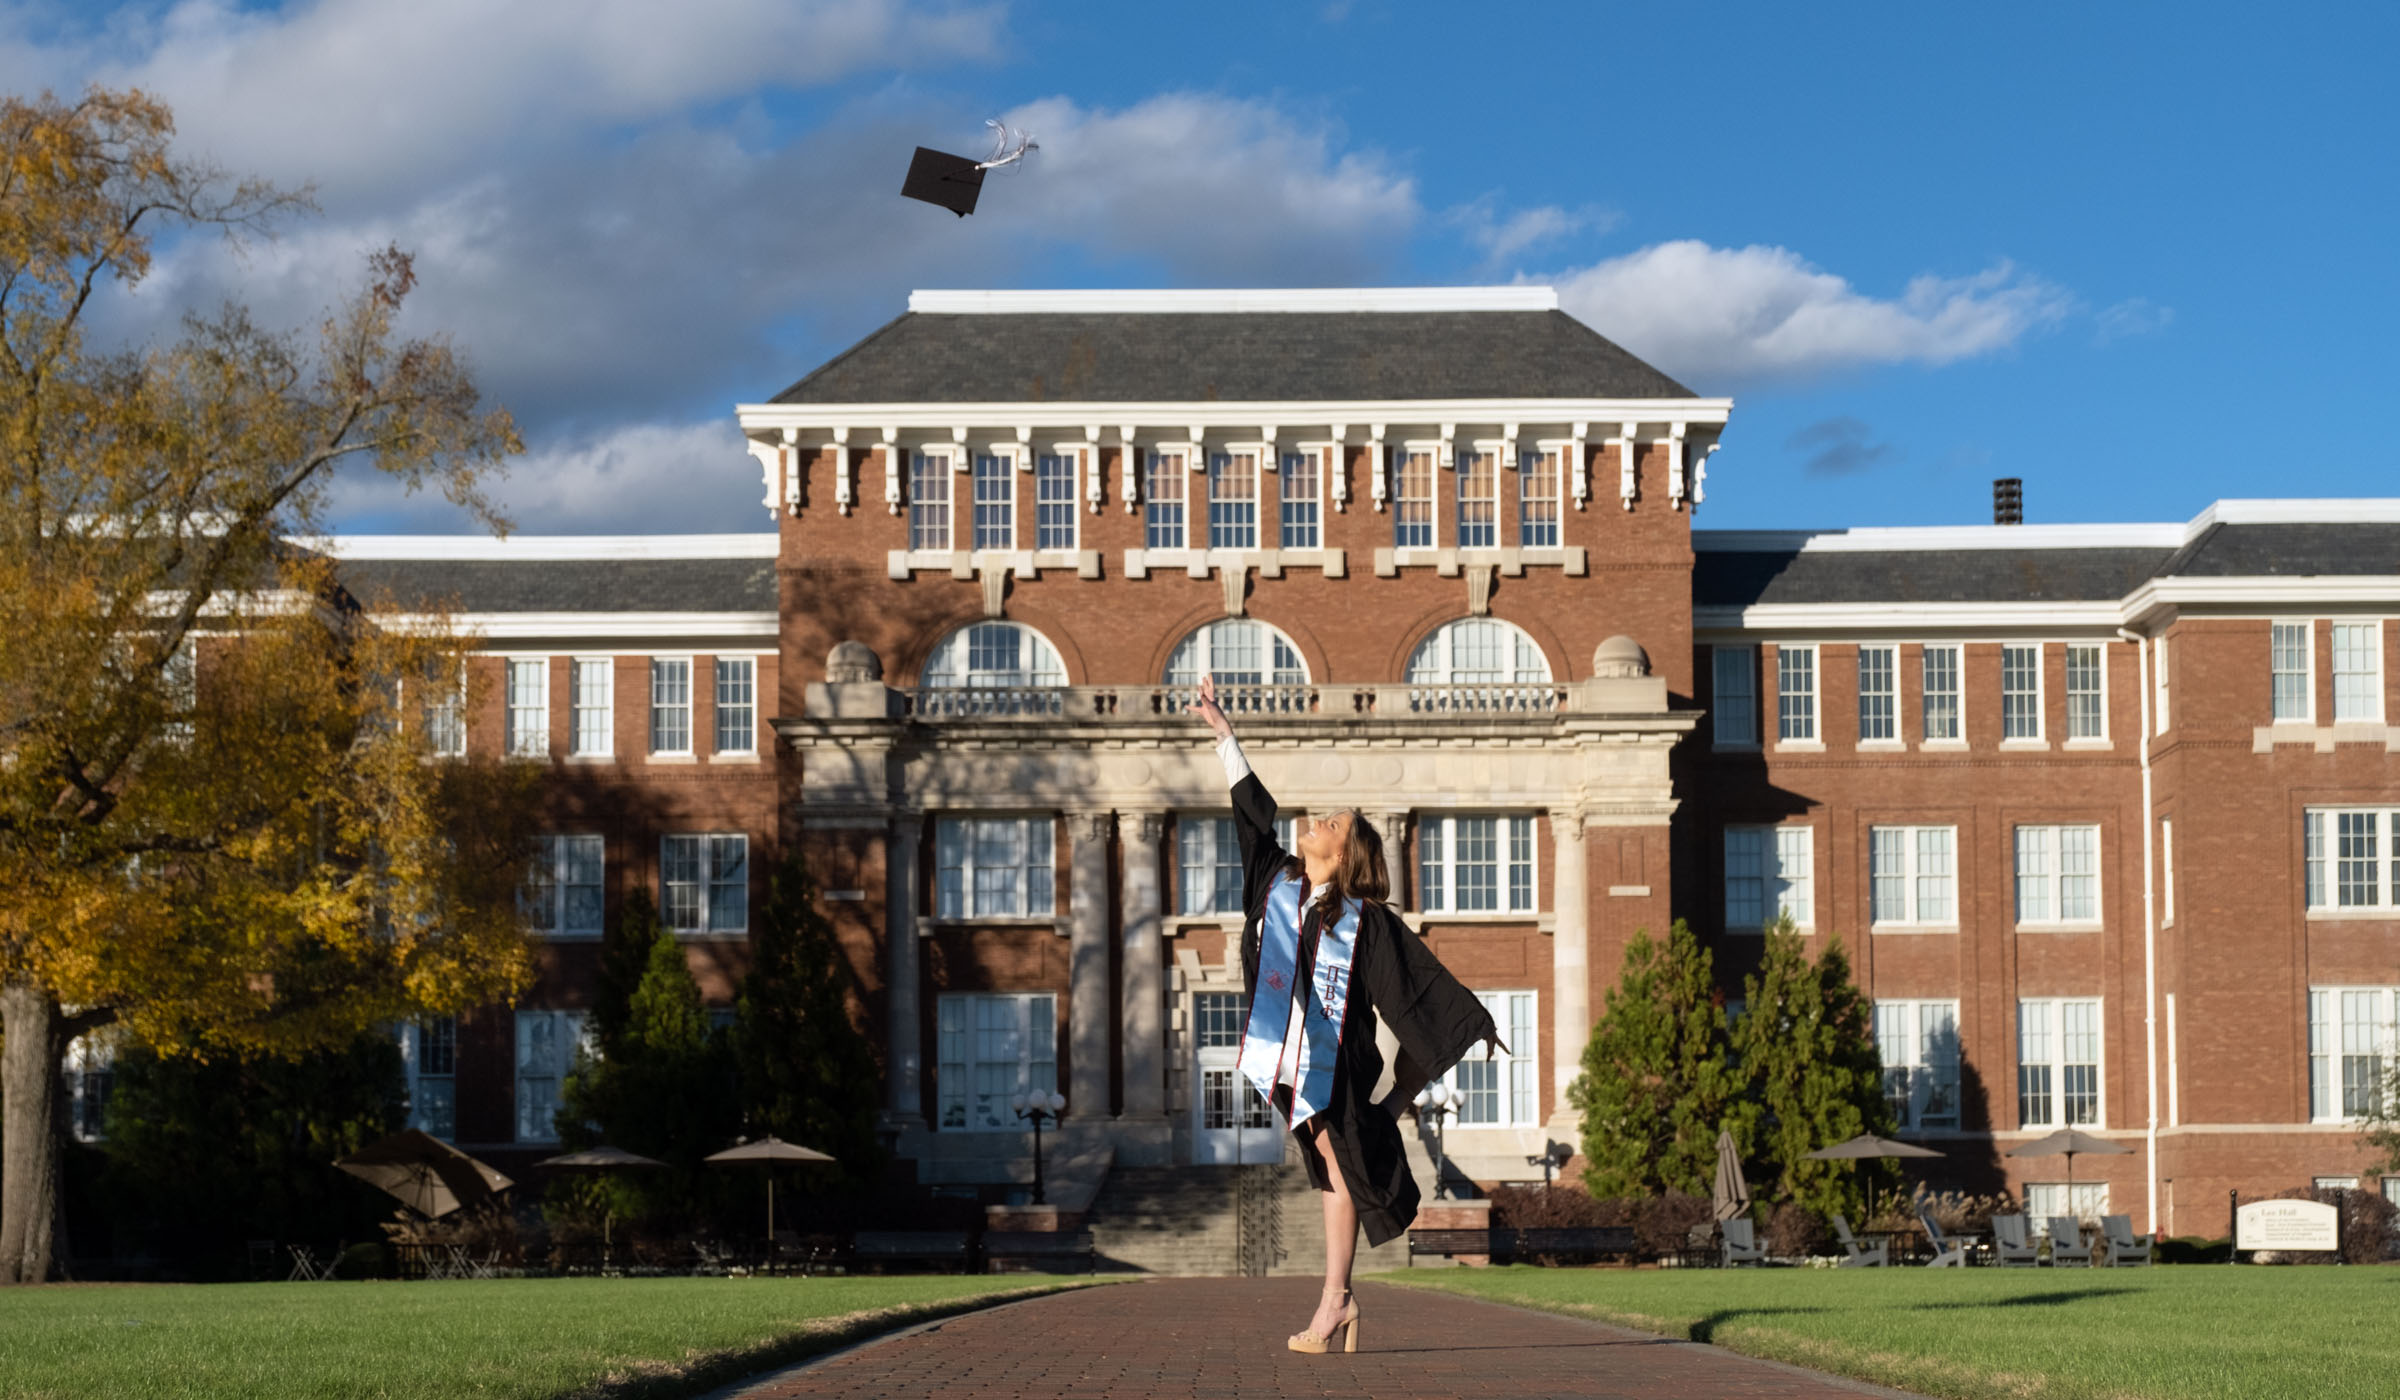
(1151, 703)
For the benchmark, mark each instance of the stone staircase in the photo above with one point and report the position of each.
(1226, 1221)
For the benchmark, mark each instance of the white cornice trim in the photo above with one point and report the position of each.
(1250, 416)
(531, 548)
(2360, 510)
(517, 626)
(1254, 300)
(1793, 618)
(2270, 592)
(1947, 538)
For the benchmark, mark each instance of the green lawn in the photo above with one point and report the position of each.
(501, 1337)
(2190, 1333)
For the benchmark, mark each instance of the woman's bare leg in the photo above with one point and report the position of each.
(1341, 1239)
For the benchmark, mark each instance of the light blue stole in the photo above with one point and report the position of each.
(1274, 1049)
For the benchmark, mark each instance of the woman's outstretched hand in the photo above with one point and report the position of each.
(1206, 708)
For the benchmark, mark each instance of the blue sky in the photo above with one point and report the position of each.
(2138, 255)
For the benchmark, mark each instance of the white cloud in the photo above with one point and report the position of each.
(1501, 237)
(2132, 317)
(1841, 446)
(1721, 316)
(637, 479)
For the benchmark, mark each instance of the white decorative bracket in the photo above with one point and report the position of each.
(770, 470)
(1236, 578)
(791, 470)
(1198, 461)
(1445, 458)
(1578, 468)
(1479, 590)
(1675, 466)
(1091, 467)
(1508, 447)
(1377, 474)
(1629, 480)
(1128, 473)
(1337, 469)
(841, 470)
(889, 446)
(1700, 474)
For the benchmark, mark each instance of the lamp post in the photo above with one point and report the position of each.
(1041, 1108)
(1554, 1157)
(1440, 1100)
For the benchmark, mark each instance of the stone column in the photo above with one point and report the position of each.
(1145, 997)
(1392, 827)
(1570, 954)
(1087, 963)
(905, 1074)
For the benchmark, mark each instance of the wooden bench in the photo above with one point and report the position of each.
(1450, 1243)
(1039, 1249)
(931, 1247)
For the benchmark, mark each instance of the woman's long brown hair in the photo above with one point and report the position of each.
(1361, 872)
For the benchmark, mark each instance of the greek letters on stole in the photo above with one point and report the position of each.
(1271, 1043)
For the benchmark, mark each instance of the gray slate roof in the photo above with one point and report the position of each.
(1178, 357)
(2294, 551)
(1921, 576)
(570, 585)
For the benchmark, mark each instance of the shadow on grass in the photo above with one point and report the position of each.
(1705, 1330)
(2030, 1300)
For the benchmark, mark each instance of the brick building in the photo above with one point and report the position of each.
(2108, 816)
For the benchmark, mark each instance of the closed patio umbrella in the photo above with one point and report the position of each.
(597, 1160)
(1732, 1191)
(769, 1150)
(424, 1173)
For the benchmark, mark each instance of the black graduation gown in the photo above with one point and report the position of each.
(1436, 1020)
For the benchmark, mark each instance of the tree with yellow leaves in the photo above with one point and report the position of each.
(222, 826)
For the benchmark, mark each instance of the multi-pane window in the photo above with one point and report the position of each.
(593, 698)
(1538, 496)
(1208, 866)
(995, 476)
(1303, 500)
(562, 893)
(990, 1049)
(737, 704)
(670, 704)
(1233, 500)
(2021, 692)
(90, 1071)
(1478, 500)
(1498, 1088)
(2058, 1064)
(1918, 1041)
(1000, 654)
(1734, 713)
(1796, 694)
(1913, 873)
(1475, 865)
(1768, 873)
(2293, 662)
(995, 867)
(1412, 498)
(528, 704)
(2048, 1200)
(2351, 1041)
(928, 500)
(429, 1055)
(1163, 487)
(1237, 652)
(2352, 858)
(1942, 695)
(2058, 874)
(445, 708)
(547, 1044)
(1226, 1099)
(1054, 501)
(2087, 707)
(705, 883)
(2357, 672)
(1878, 694)
(1478, 651)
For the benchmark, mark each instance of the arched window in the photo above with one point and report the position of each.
(995, 654)
(1478, 651)
(1237, 651)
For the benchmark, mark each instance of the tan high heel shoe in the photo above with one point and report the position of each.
(1346, 1329)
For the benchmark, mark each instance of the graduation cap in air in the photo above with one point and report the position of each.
(955, 182)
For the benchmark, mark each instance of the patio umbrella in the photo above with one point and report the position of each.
(1732, 1192)
(599, 1160)
(2067, 1142)
(424, 1173)
(1868, 1147)
(769, 1150)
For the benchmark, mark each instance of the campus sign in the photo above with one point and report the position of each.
(2286, 1225)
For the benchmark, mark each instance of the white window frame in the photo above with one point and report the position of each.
(1781, 861)
(1044, 521)
(443, 714)
(525, 720)
(1166, 497)
(1796, 722)
(933, 503)
(1280, 658)
(720, 707)
(1207, 843)
(1405, 518)
(1912, 877)
(2324, 890)
(2372, 682)
(1300, 514)
(1032, 883)
(89, 1067)
(2039, 697)
(2098, 738)
(951, 663)
(2085, 1200)
(712, 913)
(2044, 889)
(1741, 662)
(1907, 1033)
(657, 709)
(546, 1045)
(1434, 660)
(1956, 694)
(2307, 673)
(440, 1120)
(1541, 466)
(1516, 1090)
(1225, 466)
(1890, 694)
(555, 857)
(2042, 1044)
(1002, 460)
(2335, 1038)
(592, 708)
(960, 1027)
(1489, 455)
(1516, 865)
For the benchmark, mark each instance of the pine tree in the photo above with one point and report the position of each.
(808, 1075)
(1808, 1073)
(1656, 1086)
(664, 1089)
(625, 949)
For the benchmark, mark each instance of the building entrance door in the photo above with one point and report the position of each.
(1231, 1124)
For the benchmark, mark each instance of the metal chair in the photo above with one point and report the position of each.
(1860, 1256)
(305, 1268)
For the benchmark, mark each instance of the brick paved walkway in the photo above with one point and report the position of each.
(1222, 1339)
